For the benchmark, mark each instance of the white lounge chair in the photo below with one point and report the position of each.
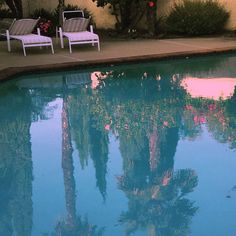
(22, 30)
(72, 14)
(75, 30)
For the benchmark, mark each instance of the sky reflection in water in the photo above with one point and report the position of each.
(121, 150)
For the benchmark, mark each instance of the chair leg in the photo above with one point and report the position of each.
(8, 41)
(8, 45)
(99, 46)
(23, 46)
(39, 33)
(61, 37)
(62, 42)
(52, 48)
(70, 47)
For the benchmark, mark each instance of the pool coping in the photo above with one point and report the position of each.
(11, 72)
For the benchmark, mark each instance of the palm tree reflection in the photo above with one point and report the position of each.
(157, 193)
(73, 225)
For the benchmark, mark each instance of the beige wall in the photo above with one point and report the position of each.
(231, 7)
(102, 16)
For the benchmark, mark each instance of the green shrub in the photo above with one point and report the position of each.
(44, 14)
(47, 23)
(53, 16)
(161, 27)
(50, 19)
(5, 13)
(197, 17)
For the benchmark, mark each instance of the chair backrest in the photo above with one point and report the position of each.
(23, 26)
(72, 14)
(76, 24)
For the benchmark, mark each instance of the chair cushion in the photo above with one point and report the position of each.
(81, 36)
(32, 39)
(23, 26)
(76, 24)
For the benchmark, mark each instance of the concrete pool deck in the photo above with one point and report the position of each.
(114, 51)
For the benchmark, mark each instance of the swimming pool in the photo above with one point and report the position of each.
(139, 149)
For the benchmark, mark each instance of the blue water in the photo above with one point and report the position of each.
(120, 150)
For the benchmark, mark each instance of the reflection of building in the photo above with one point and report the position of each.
(211, 88)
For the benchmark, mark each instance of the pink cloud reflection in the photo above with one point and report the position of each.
(211, 88)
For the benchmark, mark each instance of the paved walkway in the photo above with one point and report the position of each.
(111, 52)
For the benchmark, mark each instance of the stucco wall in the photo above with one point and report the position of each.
(102, 16)
(230, 5)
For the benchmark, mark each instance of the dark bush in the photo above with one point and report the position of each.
(5, 13)
(161, 27)
(47, 23)
(197, 17)
(44, 14)
(50, 19)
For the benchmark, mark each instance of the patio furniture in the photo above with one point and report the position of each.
(22, 30)
(72, 14)
(75, 30)
(69, 15)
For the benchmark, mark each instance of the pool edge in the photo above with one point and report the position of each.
(11, 72)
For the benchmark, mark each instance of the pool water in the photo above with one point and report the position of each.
(138, 149)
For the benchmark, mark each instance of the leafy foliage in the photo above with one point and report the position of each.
(5, 13)
(50, 19)
(15, 7)
(198, 17)
(128, 13)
